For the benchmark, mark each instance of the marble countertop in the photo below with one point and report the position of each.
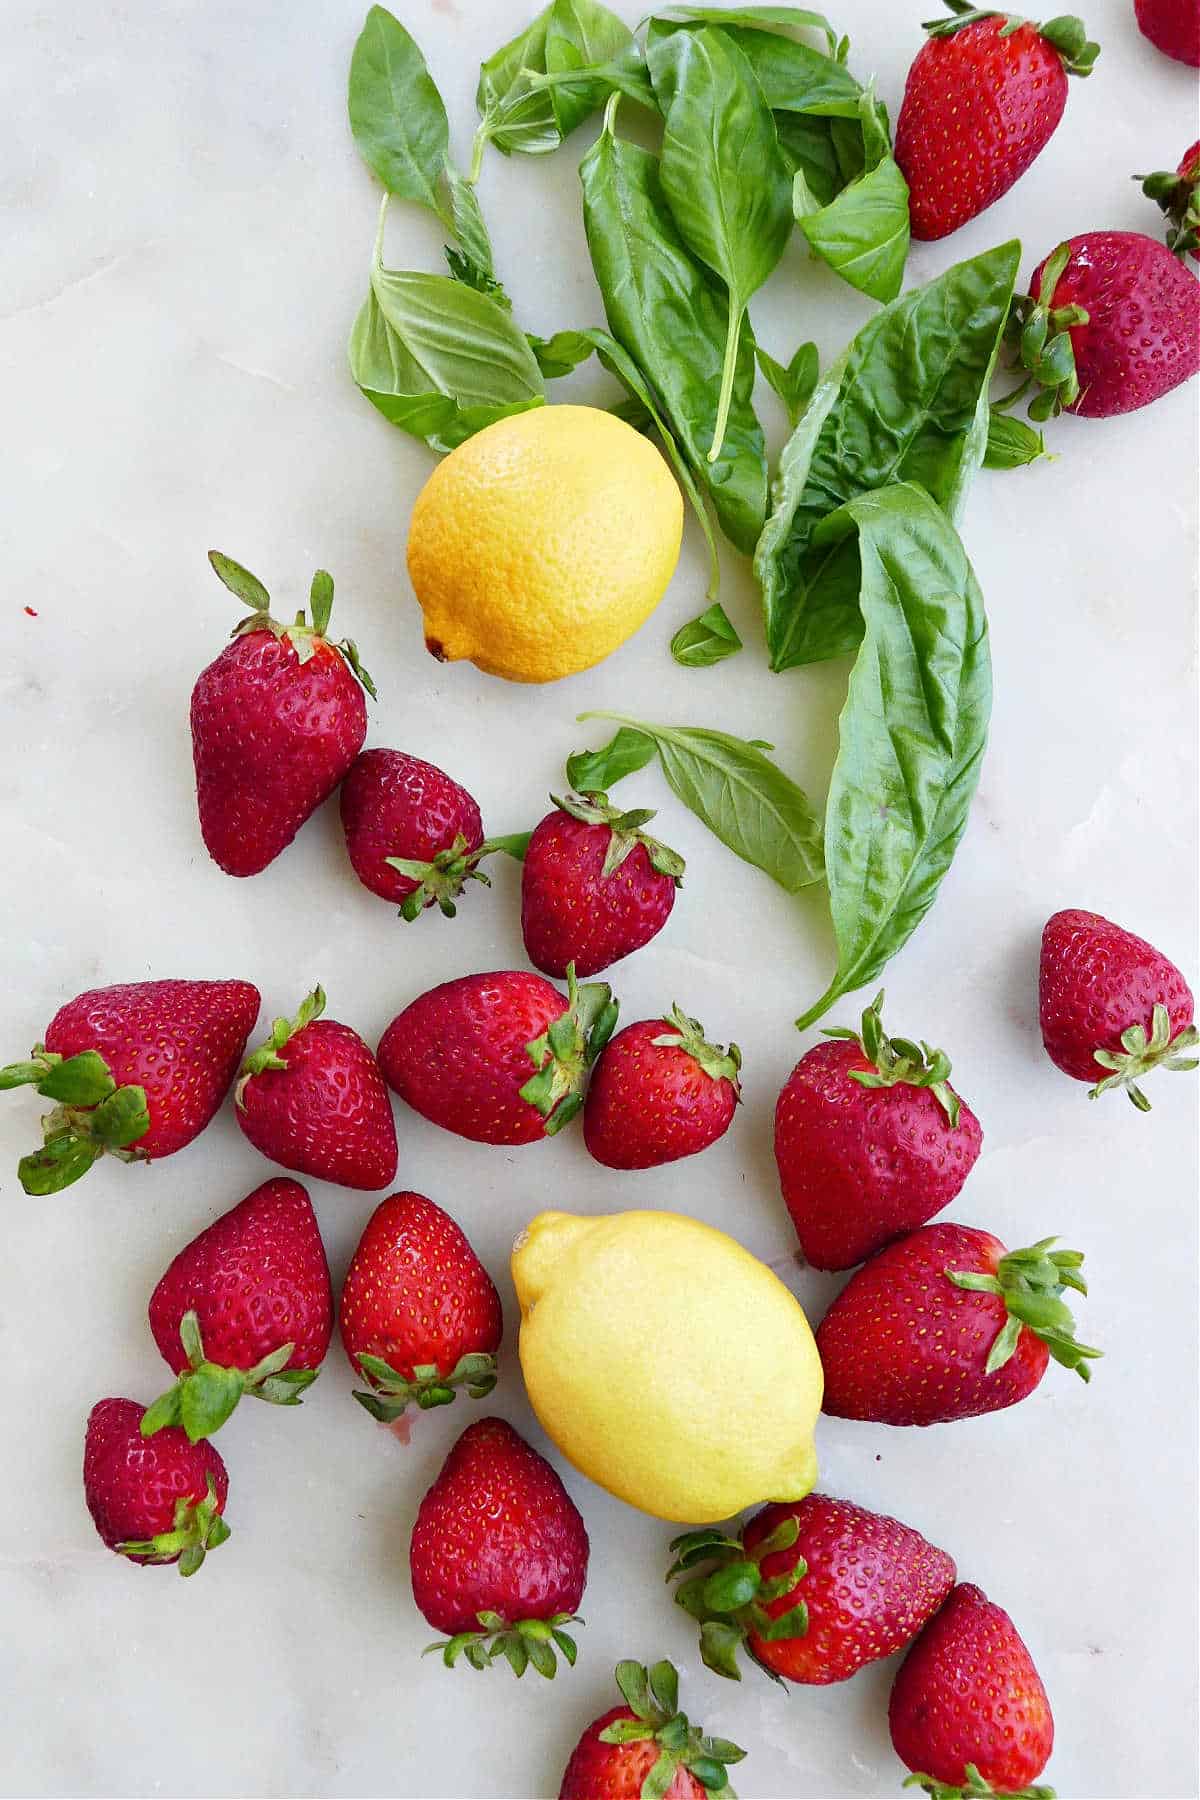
(187, 231)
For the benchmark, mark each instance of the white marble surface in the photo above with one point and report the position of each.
(186, 229)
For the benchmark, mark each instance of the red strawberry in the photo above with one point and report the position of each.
(157, 1502)
(1173, 26)
(277, 720)
(870, 1140)
(420, 1315)
(814, 1588)
(983, 98)
(500, 1545)
(138, 1070)
(500, 1059)
(1113, 1008)
(1178, 195)
(312, 1099)
(968, 1707)
(658, 1095)
(946, 1324)
(647, 1748)
(245, 1308)
(594, 887)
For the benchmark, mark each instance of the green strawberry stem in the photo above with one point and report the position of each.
(1178, 199)
(975, 1785)
(626, 830)
(652, 1696)
(1040, 332)
(523, 1643)
(564, 1054)
(267, 1056)
(446, 875)
(727, 1593)
(391, 1393)
(899, 1061)
(1068, 35)
(1141, 1054)
(303, 637)
(1030, 1283)
(94, 1116)
(196, 1528)
(206, 1393)
(688, 1034)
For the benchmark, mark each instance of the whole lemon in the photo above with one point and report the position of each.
(543, 542)
(667, 1363)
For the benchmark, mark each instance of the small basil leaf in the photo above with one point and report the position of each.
(1011, 443)
(580, 33)
(558, 355)
(795, 383)
(706, 640)
(470, 229)
(863, 234)
(596, 771)
(796, 18)
(396, 113)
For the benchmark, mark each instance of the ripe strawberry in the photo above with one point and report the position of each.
(983, 98)
(1177, 193)
(245, 1308)
(1172, 26)
(594, 887)
(500, 1545)
(814, 1589)
(647, 1748)
(870, 1141)
(946, 1324)
(155, 1503)
(968, 1707)
(657, 1095)
(419, 1315)
(277, 720)
(461, 1055)
(1109, 1001)
(138, 1071)
(312, 1099)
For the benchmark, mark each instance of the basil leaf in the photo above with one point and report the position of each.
(795, 383)
(512, 116)
(794, 77)
(662, 308)
(595, 771)
(907, 401)
(706, 640)
(863, 234)
(797, 18)
(396, 113)
(558, 355)
(537, 88)
(912, 732)
(467, 223)
(580, 33)
(752, 806)
(724, 178)
(1011, 443)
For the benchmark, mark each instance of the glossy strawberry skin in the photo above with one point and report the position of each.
(271, 739)
(599, 1771)
(572, 912)
(1143, 333)
(968, 1692)
(977, 109)
(458, 1054)
(415, 1291)
(257, 1278)
(861, 1166)
(650, 1103)
(1094, 981)
(903, 1345)
(1172, 26)
(181, 1041)
(497, 1532)
(131, 1483)
(393, 804)
(327, 1114)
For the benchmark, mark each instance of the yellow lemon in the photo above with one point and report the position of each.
(543, 542)
(667, 1363)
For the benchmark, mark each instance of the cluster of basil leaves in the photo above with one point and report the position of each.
(854, 545)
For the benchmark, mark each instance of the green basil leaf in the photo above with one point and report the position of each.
(794, 77)
(539, 87)
(396, 113)
(907, 401)
(795, 383)
(706, 640)
(513, 117)
(558, 355)
(795, 18)
(863, 235)
(467, 222)
(911, 734)
(1011, 443)
(580, 33)
(595, 771)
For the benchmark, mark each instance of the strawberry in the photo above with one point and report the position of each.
(1172, 26)
(983, 98)
(658, 1095)
(594, 887)
(1113, 1008)
(968, 1708)
(1177, 193)
(277, 720)
(138, 1071)
(870, 1141)
(500, 1059)
(157, 1502)
(814, 1589)
(419, 1315)
(946, 1324)
(647, 1749)
(245, 1308)
(312, 1099)
(499, 1553)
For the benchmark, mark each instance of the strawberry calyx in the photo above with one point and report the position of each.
(267, 1056)
(1176, 192)
(974, 1785)
(303, 637)
(728, 1595)
(1040, 333)
(444, 877)
(626, 830)
(1141, 1053)
(652, 1696)
(196, 1529)
(206, 1393)
(523, 1643)
(391, 1393)
(1066, 34)
(1030, 1283)
(688, 1034)
(899, 1061)
(93, 1117)
(564, 1054)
